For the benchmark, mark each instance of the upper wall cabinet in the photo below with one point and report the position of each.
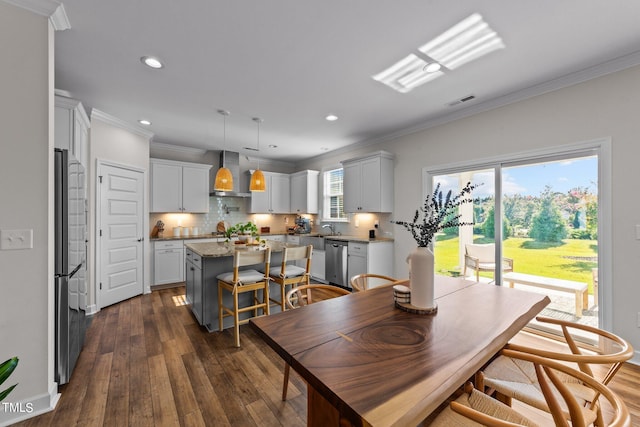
(72, 128)
(304, 192)
(179, 186)
(276, 199)
(368, 183)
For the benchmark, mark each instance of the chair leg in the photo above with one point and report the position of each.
(283, 291)
(265, 299)
(220, 309)
(285, 384)
(479, 381)
(236, 319)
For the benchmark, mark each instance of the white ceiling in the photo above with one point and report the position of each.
(292, 62)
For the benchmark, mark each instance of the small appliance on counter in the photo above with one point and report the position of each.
(303, 226)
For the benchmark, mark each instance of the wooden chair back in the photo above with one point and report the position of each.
(363, 282)
(245, 257)
(308, 294)
(295, 254)
(612, 350)
(554, 390)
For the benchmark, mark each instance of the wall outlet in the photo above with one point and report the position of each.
(357, 222)
(376, 223)
(286, 220)
(16, 239)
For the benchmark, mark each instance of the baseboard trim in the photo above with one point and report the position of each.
(167, 286)
(91, 310)
(13, 412)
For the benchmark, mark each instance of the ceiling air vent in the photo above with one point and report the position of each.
(461, 100)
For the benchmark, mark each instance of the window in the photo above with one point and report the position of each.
(333, 206)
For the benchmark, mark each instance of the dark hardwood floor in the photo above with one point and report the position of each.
(146, 362)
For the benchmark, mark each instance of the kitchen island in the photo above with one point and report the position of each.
(203, 263)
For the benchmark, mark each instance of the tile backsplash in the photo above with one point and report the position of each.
(229, 209)
(234, 210)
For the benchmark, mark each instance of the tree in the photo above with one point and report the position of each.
(548, 225)
(489, 225)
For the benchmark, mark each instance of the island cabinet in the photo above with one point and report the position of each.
(368, 183)
(203, 263)
(304, 192)
(179, 186)
(276, 199)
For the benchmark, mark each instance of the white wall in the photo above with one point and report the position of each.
(26, 191)
(115, 141)
(604, 107)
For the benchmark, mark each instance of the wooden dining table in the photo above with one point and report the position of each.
(369, 363)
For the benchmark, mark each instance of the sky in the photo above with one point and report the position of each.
(530, 180)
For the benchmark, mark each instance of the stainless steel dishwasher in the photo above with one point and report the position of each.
(336, 262)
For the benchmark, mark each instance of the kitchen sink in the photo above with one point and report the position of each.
(316, 241)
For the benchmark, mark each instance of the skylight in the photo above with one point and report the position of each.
(468, 40)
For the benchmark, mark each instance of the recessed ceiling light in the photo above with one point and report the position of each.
(151, 62)
(273, 146)
(332, 117)
(144, 122)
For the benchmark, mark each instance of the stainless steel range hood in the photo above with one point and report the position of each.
(231, 161)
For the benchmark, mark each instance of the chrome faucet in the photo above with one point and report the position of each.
(331, 227)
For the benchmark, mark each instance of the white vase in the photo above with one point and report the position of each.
(421, 273)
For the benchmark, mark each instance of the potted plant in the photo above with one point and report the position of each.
(439, 212)
(246, 231)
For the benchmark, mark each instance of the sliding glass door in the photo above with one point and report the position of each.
(539, 217)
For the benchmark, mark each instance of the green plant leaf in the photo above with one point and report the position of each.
(6, 392)
(7, 368)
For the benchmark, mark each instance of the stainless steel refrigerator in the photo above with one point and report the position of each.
(70, 262)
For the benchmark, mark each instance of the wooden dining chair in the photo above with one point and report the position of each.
(290, 274)
(513, 379)
(363, 282)
(475, 408)
(305, 295)
(240, 281)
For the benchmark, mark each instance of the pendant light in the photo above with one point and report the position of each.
(224, 179)
(257, 177)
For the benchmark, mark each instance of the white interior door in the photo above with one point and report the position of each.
(121, 234)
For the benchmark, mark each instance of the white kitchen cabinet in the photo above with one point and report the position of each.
(275, 199)
(72, 128)
(179, 186)
(373, 258)
(318, 265)
(368, 183)
(168, 262)
(304, 192)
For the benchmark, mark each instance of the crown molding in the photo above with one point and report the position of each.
(59, 19)
(108, 119)
(177, 148)
(50, 8)
(72, 104)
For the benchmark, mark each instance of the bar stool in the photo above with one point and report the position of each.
(290, 274)
(241, 281)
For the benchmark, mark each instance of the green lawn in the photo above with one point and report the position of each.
(570, 260)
